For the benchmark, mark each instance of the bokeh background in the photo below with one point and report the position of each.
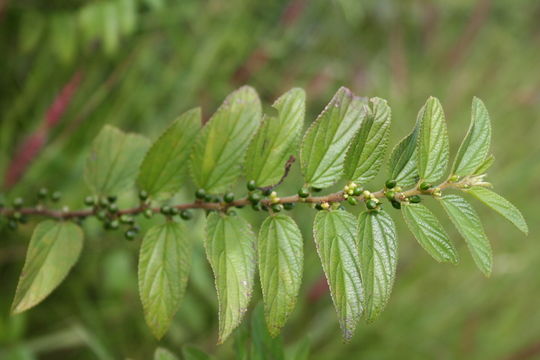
(68, 67)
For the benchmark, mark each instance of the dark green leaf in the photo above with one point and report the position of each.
(469, 226)
(220, 148)
(429, 233)
(114, 160)
(366, 154)
(164, 168)
(230, 248)
(281, 258)
(276, 139)
(377, 243)
(53, 250)
(432, 142)
(500, 205)
(334, 234)
(475, 146)
(164, 263)
(328, 138)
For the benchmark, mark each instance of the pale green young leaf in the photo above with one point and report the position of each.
(53, 250)
(485, 165)
(432, 142)
(470, 227)
(403, 159)
(429, 232)
(500, 205)
(114, 160)
(164, 354)
(164, 168)
(281, 258)
(277, 139)
(326, 141)
(230, 248)
(164, 262)
(334, 235)
(366, 153)
(475, 145)
(377, 243)
(220, 147)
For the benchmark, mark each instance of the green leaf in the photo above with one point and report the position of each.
(114, 160)
(164, 168)
(366, 154)
(377, 243)
(128, 15)
(281, 258)
(500, 205)
(429, 233)
(164, 354)
(475, 145)
(334, 235)
(328, 138)
(486, 164)
(111, 27)
(164, 263)
(220, 148)
(192, 353)
(53, 250)
(230, 248)
(403, 159)
(265, 347)
(276, 139)
(432, 142)
(469, 226)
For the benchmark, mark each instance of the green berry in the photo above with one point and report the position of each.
(415, 199)
(267, 191)
(55, 196)
(111, 198)
(130, 234)
(390, 184)
(215, 199)
(200, 194)
(352, 200)
(101, 215)
(288, 206)
(127, 219)
(165, 210)
(228, 197)
(135, 228)
(396, 204)
(103, 202)
(12, 225)
(341, 207)
(89, 201)
(254, 197)
(174, 211)
(277, 207)
(371, 204)
(148, 213)
(112, 225)
(208, 198)
(390, 195)
(425, 186)
(316, 189)
(143, 195)
(239, 206)
(113, 208)
(186, 214)
(231, 213)
(303, 193)
(357, 191)
(23, 219)
(18, 203)
(17, 216)
(43, 193)
(318, 206)
(256, 206)
(251, 185)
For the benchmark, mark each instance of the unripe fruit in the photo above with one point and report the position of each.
(288, 206)
(113, 208)
(390, 184)
(130, 234)
(251, 185)
(231, 213)
(371, 204)
(148, 213)
(200, 194)
(143, 195)
(267, 191)
(255, 197)
(101, 215)
(318, 206)
(277, 207)
(316, 189)
(358, 191)
(303, 193)
(56, 196)
(415, 199)
(173, 211)
(396, 204)
(111, 198)
(18, 203)
(165, 210)
(17, 216)
(89, 201)
(390, 195)
(42, 193)
(351, 200)
(126, 219)
(256, 207)
(186, 214)
(228, 197)
(12, 225)
(425, 186)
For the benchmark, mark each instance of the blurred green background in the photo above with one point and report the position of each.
(70, 66)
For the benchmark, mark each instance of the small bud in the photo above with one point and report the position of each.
(345, 196)
(425, 186)
(186, 215)
(55, 196)
(398, 189)
(275, 200)
(228, 197)
(366, 194)
(200, 194)
(352, 201)
(346, 188)
(325, 205)
(273, 194)
(303, 193)
(390, 184)
(251, 185)
(453, 178)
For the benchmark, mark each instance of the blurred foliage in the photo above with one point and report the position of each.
(139, 63)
